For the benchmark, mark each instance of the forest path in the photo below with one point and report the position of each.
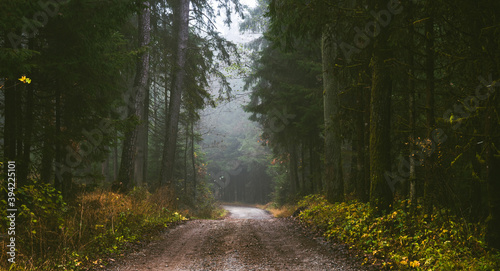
(248, 239)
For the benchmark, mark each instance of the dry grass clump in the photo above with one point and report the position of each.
(100, 209)
(95, 226)
(281, 211)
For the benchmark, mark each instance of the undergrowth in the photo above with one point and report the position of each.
(278, 211)
(399, 240)
(95, 228)
(201, 206)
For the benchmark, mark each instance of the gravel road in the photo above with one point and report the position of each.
(248, 239)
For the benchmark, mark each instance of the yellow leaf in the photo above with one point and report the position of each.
(24, 79)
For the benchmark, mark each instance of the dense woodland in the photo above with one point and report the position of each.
(373, 101)
(105, 96)
(115, 89)
(383, 100)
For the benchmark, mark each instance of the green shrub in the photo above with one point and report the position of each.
(40, 219)
(400, 240)
(53, 235)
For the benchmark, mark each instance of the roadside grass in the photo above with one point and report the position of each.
(94, 229)
(399, 240)
(220, 213)
(278, 211)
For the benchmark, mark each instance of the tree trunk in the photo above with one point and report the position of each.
(380, 112)
(430, 180)
(186, 128)
(27, 119)
(146, 137)
(141, 149)
(28, 129)
(493, 169)
(19, 134)
(105, 169)
(411, 107)
(303, 169)
(10, 114)
(141, 161)
(312, 173)
(360, 145)
(58, 142)
(46, 172)
(10, 120)
(66, 176)
(316, 166)
(193, 161)
(367, 180)
(131, 142)
(292, 166)
(475, 185)
(140, 155)
(334, 182)
(115, 157)
(179, 73)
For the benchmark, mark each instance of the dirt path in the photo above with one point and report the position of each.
(249, 239)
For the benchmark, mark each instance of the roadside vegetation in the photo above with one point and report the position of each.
(94, 228)
(278, 211)
(401, 239)
(85, 123)
(409, 113)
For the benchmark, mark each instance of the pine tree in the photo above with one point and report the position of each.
(133, 141)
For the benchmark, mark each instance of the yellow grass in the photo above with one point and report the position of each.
(283, 211)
